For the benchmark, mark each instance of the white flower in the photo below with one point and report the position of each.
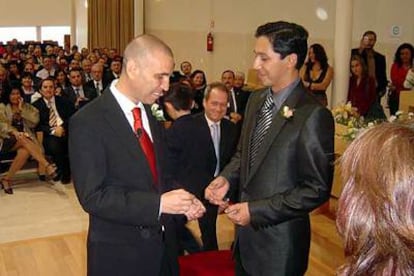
(392, 118)
(287, 112)
(398, 113)
(157, 112)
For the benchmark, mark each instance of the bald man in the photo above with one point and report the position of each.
(117, 179)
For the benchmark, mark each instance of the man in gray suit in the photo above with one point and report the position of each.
(283, 164)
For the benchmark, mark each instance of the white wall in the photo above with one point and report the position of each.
(184, 24)
(35, 13)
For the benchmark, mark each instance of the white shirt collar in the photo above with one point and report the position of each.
(210, 122)
(127, 105)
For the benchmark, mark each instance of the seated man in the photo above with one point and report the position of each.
(54, 114)
(77, 93)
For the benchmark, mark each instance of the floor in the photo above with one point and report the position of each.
(43, 232)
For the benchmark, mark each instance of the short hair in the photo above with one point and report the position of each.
(369, 32)
(180, 96)
(141, 46)
(185, 61)
(216, 85)
(286, 38)
(228, 71)
(46, 79)
(375, 210)
(27, 75)
(239, 74)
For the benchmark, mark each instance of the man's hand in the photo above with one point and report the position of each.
(176, 202)
(59, 131)
(216, 191)
(239, 213)
(196, 211)
(235, 117)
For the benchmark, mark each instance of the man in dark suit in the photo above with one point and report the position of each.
(118, 157)
(77, 93)
(238, 97)
(375, 61)
(198, 159)
(97, 83)
(114, 71)
(283, 162)
(54, 131)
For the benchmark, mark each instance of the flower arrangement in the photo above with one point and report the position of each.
(349, 123)
(287, 112)
(157, 112)
(400, 116)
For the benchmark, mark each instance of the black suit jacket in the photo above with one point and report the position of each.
(291, 176)
(69, 93)
(193, 154)
(115, 187)
(64, 108)
(380, 69)
(242, 97)
(91, 85)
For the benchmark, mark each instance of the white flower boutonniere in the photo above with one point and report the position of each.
(287, 112)
(157, 112)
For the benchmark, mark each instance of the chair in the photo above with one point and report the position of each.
(407, 101)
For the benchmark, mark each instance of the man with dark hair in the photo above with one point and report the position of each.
(78, 93)
(179, 101)
(201, 146)
(186, 68)
(375, 61)
(283, 164)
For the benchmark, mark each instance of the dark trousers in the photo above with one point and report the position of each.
(207, 224)
(57, 149)
(239, 270)
(185, 239)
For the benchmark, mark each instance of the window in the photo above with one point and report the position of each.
(55, 33)
(20, 33)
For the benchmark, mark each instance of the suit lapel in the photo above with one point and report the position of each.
(274, 130)
(121, 128)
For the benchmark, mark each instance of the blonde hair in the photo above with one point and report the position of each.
(376, 208)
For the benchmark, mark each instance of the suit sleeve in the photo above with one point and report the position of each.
(315, 153)
(101, 181)
(382, 75)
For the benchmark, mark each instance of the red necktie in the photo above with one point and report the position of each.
(145, 142)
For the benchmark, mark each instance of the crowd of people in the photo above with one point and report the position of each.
(265, 159)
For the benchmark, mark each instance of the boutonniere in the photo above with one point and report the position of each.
(157, 112)
(287, 112)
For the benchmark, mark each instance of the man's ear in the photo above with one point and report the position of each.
(292, 60)
(132, 69)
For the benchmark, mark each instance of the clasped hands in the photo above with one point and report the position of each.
(215, 193)
(182, 202)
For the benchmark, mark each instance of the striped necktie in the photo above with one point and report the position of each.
(52, 115)
(263, 123)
